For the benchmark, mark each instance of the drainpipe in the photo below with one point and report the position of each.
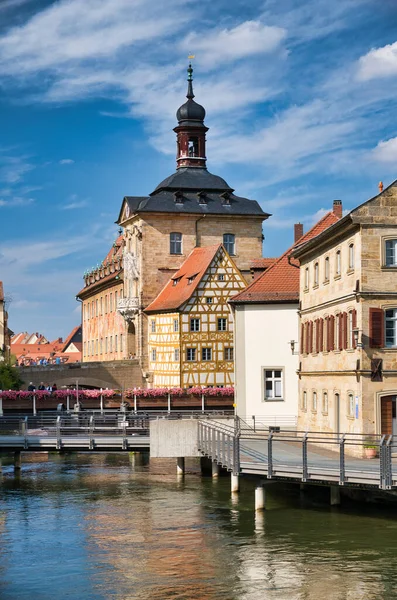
(290, 263)
(196, 226)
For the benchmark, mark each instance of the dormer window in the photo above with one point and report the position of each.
(178, 197)
(176, 280)
(191, 279)
(225, 198)
(202, 197)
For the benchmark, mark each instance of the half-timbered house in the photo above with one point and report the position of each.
(190, 323)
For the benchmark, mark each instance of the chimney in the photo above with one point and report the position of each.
(380, 186)
(337, 208)
(298, 232)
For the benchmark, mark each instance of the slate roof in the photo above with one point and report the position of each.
(173, 295)
(188, 182)
(280, 282)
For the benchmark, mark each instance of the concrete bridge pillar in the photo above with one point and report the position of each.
(215, 470)
(17, 461)
(235, 483)
(260, 498)
(334, 495)
(180, 465)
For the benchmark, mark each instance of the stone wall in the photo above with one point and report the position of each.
(112, 375)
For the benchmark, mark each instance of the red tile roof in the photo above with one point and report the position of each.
(70, 337)
(262, 263)
(280, 282)
(178, 290)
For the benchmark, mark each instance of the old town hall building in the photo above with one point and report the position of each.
(192, 208)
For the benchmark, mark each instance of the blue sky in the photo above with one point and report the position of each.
(301, 103)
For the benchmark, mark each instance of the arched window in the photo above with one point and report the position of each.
(351, 256)
(307, 278)
(326, 269)
(325, 403)
(175, 243)
(316, 273)
(350, 405)
(338, 263)
(229, 241)
(304, 401)
(314, 402)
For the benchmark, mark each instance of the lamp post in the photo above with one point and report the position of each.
(356, 338)
(77, 392)
(292, 344)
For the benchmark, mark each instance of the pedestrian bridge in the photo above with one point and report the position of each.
(253, 448)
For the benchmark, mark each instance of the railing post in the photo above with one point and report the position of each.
(1, 405)
(229, 451)
(236, 453)
(382, 462)
(91, 431)
(342, 460)
(253, 418)
(135, 403)
(270, 455)
(218, 445)
(25, 432)
(202, 403)
(388, 463)
(68, 403)
(34, 406)
(101, 405)
(223, 455)
(169, 403)
(58, 431)
(304, 457)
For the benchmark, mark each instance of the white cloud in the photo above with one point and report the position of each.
(378, 62)
(73, 31)
(386, 151)
(66, 161)
(74, 205)
(223, 45)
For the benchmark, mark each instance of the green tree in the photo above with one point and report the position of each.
(9, 378)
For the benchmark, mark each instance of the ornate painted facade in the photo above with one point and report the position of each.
(191, 325)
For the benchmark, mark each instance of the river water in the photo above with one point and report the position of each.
(93, 527)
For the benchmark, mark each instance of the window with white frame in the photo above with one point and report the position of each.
(206, 353)
(175, 243)
(316, 273)
(190, 354)
(325, 403)
(350, 329)
(391, 253)
(176, 325)
(273, 380)
(176, 355)
(221, 277)
(326, 268)
(153, 326)
(209, 299)
(314, 401)
(222, 324)
(194, 324)
(351, 257)
(304, 401)
(350, 405)
(229, 241)
(307, 278)
(338, 263)
(391, 327)
(228, 352)
(154, 354)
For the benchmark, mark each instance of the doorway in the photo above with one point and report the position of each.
(131, 340)
(388, 415)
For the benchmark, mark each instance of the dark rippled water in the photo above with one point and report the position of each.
(104, 527)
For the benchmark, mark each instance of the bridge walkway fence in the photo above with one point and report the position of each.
(301, 456)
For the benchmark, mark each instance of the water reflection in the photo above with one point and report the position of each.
(120, 527)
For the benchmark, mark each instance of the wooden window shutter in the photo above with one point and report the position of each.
(321, 334)
(310, 324)
(354, 325)
(376, 328)
(307, 337)
(340, 327)
(327, 328)
(332, 332)
(302, 347)
(344, 329)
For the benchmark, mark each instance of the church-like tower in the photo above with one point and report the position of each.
(191, 208)
(190, 130)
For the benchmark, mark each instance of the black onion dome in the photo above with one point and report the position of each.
(191, 110)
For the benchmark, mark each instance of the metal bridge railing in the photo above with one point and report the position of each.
(306, 456)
